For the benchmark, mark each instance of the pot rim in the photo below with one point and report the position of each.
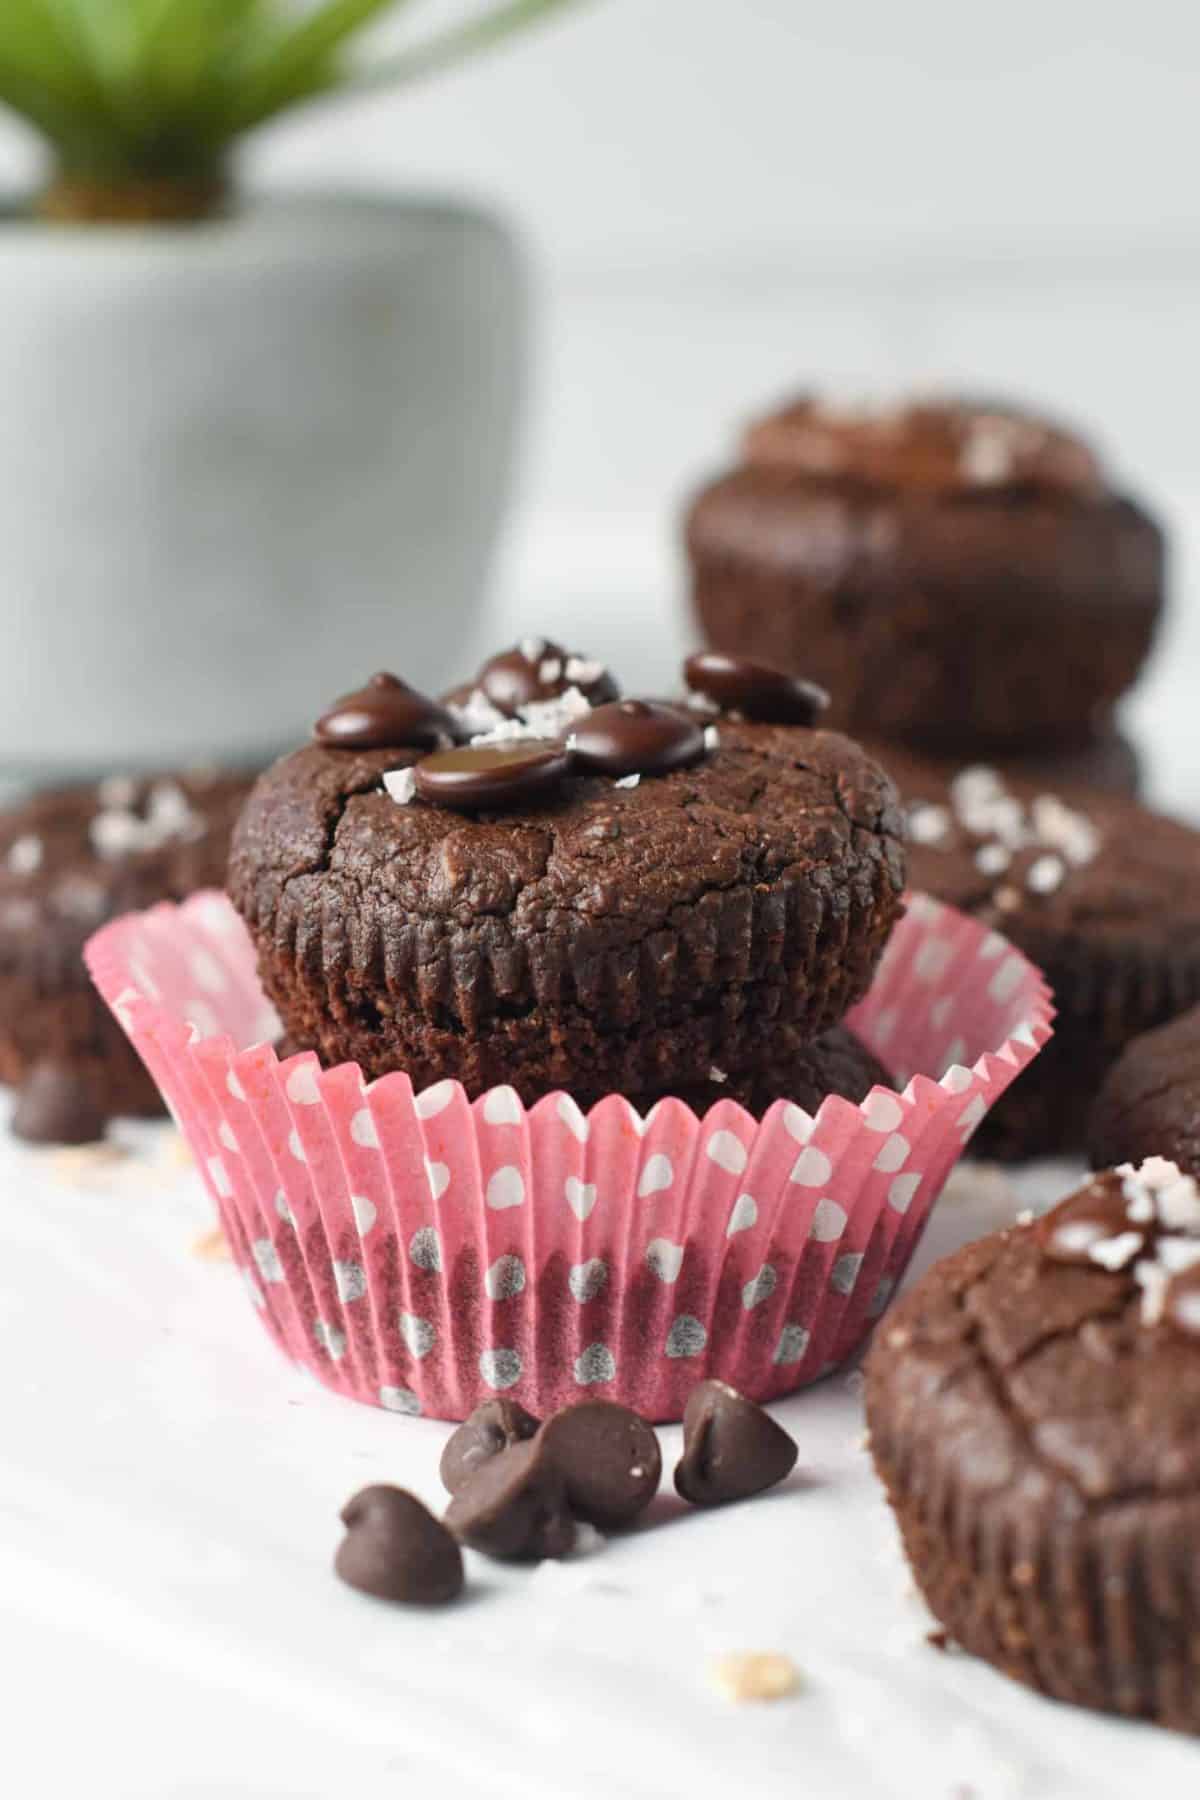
(256, 215)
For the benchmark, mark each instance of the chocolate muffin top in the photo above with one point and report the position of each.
(1059, 1361)
(769, 804)
(73, 857)
(567, 876)
(1072, 870)
(1032, 1407)
(935, 445)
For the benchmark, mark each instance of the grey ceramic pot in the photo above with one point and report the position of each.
(242, 465)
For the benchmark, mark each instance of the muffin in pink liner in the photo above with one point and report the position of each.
(423, 1252)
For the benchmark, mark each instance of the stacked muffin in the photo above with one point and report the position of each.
(962, 577)
(979, 598)
(537, 884)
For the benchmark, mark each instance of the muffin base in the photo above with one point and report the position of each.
(1149, 1105)
(1088, 1597)
(1000, 618)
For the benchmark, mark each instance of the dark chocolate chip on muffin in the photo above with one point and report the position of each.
(952, 572)
(1149, 1104)
(640, 895)
(1101, 894)
(70, 860)
(1032, 1407)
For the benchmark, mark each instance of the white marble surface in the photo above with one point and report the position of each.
(169, 1489)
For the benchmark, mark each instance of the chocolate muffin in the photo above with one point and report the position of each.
(1149, 1104)
(1032, 1407)
(836, 1063)
(69, 860)
(1099, 893)
(1109, 763)
(617, 897)
(955, 574)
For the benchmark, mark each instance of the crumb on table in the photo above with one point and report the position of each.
(755, 1675)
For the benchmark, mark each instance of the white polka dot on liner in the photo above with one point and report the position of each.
(500, 1368)
(893, 1155)
(597, 1363)
(434, 1100)
(399, 1400)
(743, 1216)
(657, 1175)
(812, 1168)
(581, 1197)
(506, 1188)
(727, 1151)
(419, 1335)
(882, 1112)
(664, 1259)
(586, 1279)
(828, 1222)
(760, 1288)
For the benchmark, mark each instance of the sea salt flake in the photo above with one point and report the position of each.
(712, 738)
(25, 855)
(974, 785)
(1153, 1280)
(1046, 875)
(1061, 828)
(992, 859)
(1177, 1253)
(582, 672)
(627, 781)
(401, 784)
(115, 833)
(1077, 1236)
(1114, 1252)
(1179, 1205)
(169, 813)
(1155, 1171)
(928, 824)
(987, 457)
(476, 714)
(532, 648)
(549, 669)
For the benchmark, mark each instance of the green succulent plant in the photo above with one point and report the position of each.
(141, 101)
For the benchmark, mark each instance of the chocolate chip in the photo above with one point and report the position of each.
(754, 690)
(731, 1447)
(57, 1105)
(491, 1428)
(395, 1549)
(535, 670)
(637, 737)
(608, 1457)
(385, 715)
(514, 1506)
(482, 776)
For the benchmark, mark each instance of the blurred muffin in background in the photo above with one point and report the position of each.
(961, 577)
(70, 859)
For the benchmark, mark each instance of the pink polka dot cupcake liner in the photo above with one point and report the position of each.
(423, 1252)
